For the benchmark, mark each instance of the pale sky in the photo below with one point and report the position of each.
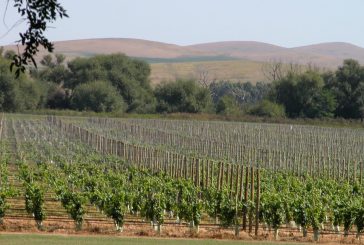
(287, 23)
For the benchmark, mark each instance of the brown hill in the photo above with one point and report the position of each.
(233, 60)
(240, 49)
(128, 46)
(338, 50)
(131, 47)
(325, 54)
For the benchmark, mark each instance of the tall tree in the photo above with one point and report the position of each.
(183, 96)
(304, 95)
(129, 76)
(347, 83)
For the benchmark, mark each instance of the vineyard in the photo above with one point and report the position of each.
(259, 179)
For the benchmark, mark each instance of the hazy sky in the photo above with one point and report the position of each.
(286, 23)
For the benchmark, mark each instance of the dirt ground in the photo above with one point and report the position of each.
(168, 231)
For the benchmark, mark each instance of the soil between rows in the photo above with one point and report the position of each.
(17, 226)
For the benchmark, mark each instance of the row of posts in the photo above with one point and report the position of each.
(242, 181)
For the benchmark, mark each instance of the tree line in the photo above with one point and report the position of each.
(117, 83)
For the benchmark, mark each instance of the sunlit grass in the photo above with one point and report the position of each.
(32, 239)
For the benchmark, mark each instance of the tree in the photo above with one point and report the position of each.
(227, 106)
(275, 70)
(7, 85)
(267, 109)
(313, 100)
(47, 61)
(243, 93)
(347, 84)
(285, 93)
(53, 71)
(17, 94)
(304, 95)
(38, 15)
(204, 78)
(98, 96)
(57, 97)
(182, 96)
(130, 77)
(60, 58)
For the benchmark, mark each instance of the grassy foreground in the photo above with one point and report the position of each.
(36, 239)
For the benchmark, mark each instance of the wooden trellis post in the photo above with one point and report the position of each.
(245, 197)
(257, 202)
(251, 199)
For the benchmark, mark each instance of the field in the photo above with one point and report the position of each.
(231, 70)
(11, 239)
(180, 179)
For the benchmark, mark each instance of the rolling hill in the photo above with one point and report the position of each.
(235, 60)
(324, 54)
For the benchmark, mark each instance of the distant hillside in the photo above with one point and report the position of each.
(325, 54)
(242, 49)
(227, 60)
(131, 47)
(337, 50)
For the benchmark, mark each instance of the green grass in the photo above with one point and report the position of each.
(30, 239)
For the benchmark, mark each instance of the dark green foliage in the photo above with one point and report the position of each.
(304, 95)
(312, 98)
(99, 96)
(52, 76)
(268, 109)
(129, 76)
(7, 87)
(28, 95)
(57, 97)
(347, 84)
(183, 96)
(227, 105)
(52, 71)
(17, 94)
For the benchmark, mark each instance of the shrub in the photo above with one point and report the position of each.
(227, 106)
(98, 96)
(183, 96)
(268, 109)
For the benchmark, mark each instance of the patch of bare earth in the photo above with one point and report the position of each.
(170, 231)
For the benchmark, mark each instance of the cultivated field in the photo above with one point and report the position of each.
(175, 178)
